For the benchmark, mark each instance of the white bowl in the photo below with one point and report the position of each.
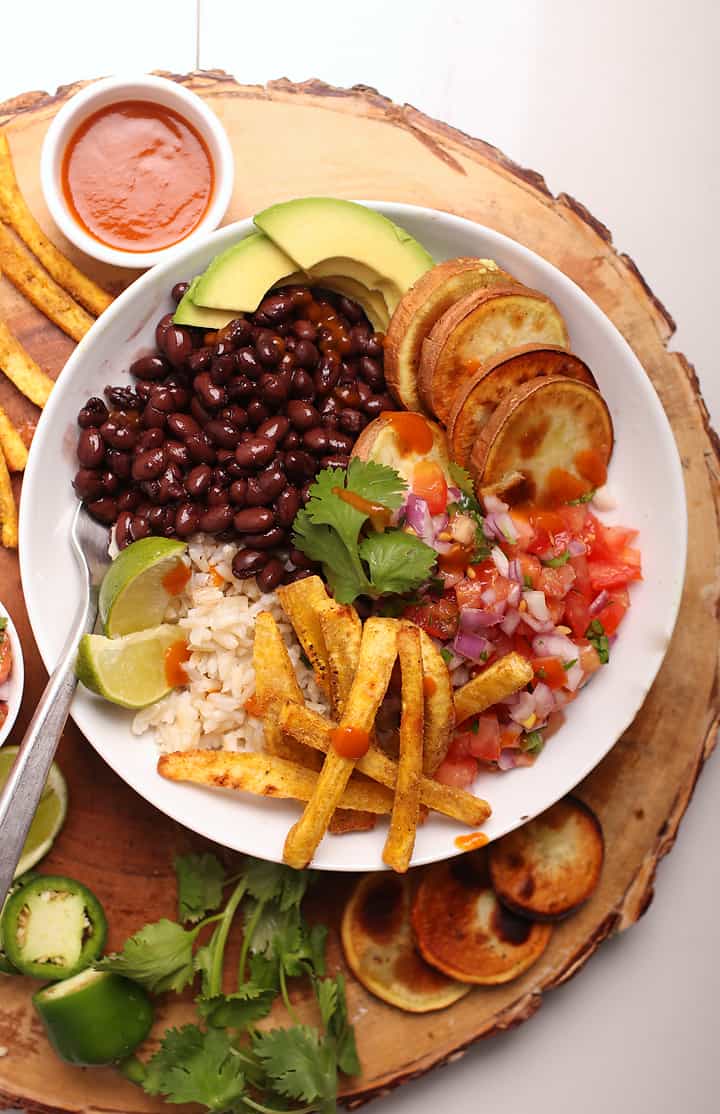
(109, 91)
(645, 476)
(12, 690)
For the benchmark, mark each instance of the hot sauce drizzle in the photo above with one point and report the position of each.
(412, 430)
(175, 655)
(176, 578)
(350, 742)
(471, 842)
(380, 516)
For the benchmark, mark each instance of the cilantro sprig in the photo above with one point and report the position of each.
(330, 530)
(596, 636)
(223, 1062)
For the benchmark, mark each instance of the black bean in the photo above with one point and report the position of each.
(152, 418)
(299, 465)
(295, 574)
(240, 388)
(198, 411)
(215, 519)
(162, 399)
(304, 330)
(274, 428)
(373, 346)
(212, 396)
(248, 562)
(123, 537)
(148, 464)
(222, 368)
(358, 336)
(177, 453)
(253, 520)
(150, 439)
(274, 390)
(221, 476)
(176, 344)
(139, 528)
(156, 518)
(93, 413)
(272, 481)
(200, 448)
(302, 385)
(217, 496)
(371, 371)
(376, 404)
(198, 480)
(255, 496)
(349, 309)
(291, 440)
(300, 560)
(105, 510)
(274, 308)
(236, 332)
(287, 506)
(268, 540)
(129, 500)
(336, 460)
(199, 360)
(302, 415)
(118, 436)
(187, 519)
(119, 463)
(257, 412)
(306, 354)
(235, 414)
(317, 441)
(305, 492)
(90, 448)
(183, 426)
(269, 348)
(179, 291)
(352, 421)
(150, 367)
(255, 453)
(88, 484)
(247, 363)
(271, 575)
(223, 433)
(238, 492)
(339, 443)
(327, 374)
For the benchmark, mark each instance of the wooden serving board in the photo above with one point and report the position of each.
(293, 140)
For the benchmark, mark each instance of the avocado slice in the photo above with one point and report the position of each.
(239, 277)
(313, 230)
(187, 313)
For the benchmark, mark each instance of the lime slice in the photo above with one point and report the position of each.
(130, 671)
(138, 585)
(49, 816)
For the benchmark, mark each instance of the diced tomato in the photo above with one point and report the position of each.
(510, 735)
(530, 568)
(549, 670)
(5, 657)
(439, 618)
(456, 560)
(577, 613)
(605, 542)
(612, 574)
(611, 616)
(582, 575)
(485, 740)
(459, 746)
(589, 660)
(556, 583)
(522, 645)
(556, 609)
(429, 483)
(574, 518)
(469, 592)
(460, 774)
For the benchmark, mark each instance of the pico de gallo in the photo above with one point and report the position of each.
(550, 584)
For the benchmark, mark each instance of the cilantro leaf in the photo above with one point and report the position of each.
(200, 881)
(159, 957)
(462, 478)
(586, 498)
(532, 742)
(596, 636)
(299, 1062)
(345, 577)
(446, 655)
(559, 561)
(376, 482)
(238, 1010)
(264, 972)
(567, 665)
(275, 882)
(398, 561)
(193, 1066)
(334, 1013)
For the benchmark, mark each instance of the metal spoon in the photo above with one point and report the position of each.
(23, 789)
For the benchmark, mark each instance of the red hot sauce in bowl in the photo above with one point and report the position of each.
(137, 176)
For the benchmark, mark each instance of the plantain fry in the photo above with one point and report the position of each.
(341, 633)
(12, 444)
(26, 274)
(8, 508)
(406, 808)
(378, 650)
(265, 775)
(14, 210)
(439, 719)
(22, 370)
(300, 602)
(275, 684)
(497, 682)
(314, 730)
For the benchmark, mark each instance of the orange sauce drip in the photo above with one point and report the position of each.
(412, 431)
(591, 466)
(175, 655)
(471, 842)
(217, 579)
(253, 706)
(380, 516)
(456, 559)
(137, 176)
(562, 487)
(429, 686)
(350, 742)
(176, 578)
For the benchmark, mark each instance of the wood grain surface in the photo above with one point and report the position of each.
(291, 140)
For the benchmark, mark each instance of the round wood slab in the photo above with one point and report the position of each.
(294, 140)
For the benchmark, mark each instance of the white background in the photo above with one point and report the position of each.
(616, 103)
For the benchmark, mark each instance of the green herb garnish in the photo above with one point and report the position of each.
(329, 531)
(558, 562)
(532, 742)
(3, 623)
(464, 481)
(446, 655)
(527, 581)
(586, 498)
(567, 665)
(596, 636)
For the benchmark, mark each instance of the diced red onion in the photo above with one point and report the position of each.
(537, 605)
(500, 560)
(475, 619)
(514, 594)
(488, 596)
(523, 707)
(510, 623)
(439, 522)
(506, 527)
(514, 572)
(576, 548)
(471, 646)
(493, 505)
(540, 626)
(599, 602)
(454, 494)
(418, 516)
(554, 646)
(506, 761)
(574, 677)
(544, 700)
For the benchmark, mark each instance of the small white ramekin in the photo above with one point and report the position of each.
(12, 690)
(143, 88)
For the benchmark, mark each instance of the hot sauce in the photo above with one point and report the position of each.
(471, 842)
(429, 686)
(350, 742)
(175, 580)
(379, 515)
(175, 655)
(137, 176)
(412, 430)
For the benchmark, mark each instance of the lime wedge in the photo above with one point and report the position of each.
(130, 671)
(49, 816)
(138, 585)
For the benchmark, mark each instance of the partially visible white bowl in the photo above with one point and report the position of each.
(143, 88)
(12, 690)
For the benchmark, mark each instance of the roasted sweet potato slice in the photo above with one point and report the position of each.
(439, 721)
(550, 866)
(476, 401)
(557, 432)
(418, 310)
(462, 929)
(381, 442)
(478, 328)
(380, 950)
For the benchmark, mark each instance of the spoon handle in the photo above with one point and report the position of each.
(23, 789)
